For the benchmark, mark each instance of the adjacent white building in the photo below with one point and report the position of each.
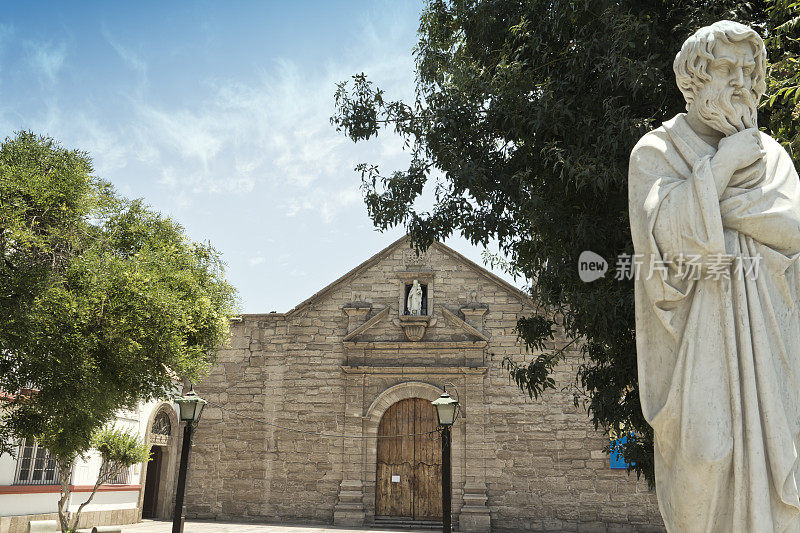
(29, 484)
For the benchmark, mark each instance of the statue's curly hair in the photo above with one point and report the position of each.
(691, 63)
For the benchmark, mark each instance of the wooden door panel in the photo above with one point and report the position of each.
(152, 483)
(427, 463)
(392, 498)
(395, 457)
(428, 491)
(415, 459)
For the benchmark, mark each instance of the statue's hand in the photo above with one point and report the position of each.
(739, 150)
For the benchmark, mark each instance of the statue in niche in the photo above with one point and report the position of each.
(719, 344)
(414, 302)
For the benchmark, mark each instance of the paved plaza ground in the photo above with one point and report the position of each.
(204, 526)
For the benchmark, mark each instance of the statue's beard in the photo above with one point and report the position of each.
(720, 111)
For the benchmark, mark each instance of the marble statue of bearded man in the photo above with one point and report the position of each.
(715, 220)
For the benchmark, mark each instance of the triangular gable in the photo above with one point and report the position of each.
(494, 278)
(351, 274)
(388, 251)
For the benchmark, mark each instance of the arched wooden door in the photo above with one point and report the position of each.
(409, 469)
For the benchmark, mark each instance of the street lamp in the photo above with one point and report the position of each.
(190, 406)
(446, 410)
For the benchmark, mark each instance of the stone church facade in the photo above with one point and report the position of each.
(349, 365)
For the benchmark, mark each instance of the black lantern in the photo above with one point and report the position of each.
(446, 409)
(191, 406)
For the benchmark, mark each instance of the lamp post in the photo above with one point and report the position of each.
(446, 409)
(190, 405)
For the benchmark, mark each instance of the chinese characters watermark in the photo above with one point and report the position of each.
(592, 266)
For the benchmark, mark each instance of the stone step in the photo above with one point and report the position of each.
(391, 522)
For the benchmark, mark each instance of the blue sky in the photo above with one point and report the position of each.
(217, 114)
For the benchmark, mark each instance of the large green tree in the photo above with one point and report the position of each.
(104, 303)
(783, 83)
(525, 116)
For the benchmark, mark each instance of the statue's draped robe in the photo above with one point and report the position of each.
(719, 359)
(414, 302)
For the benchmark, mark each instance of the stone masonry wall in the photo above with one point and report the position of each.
(543, 461)
(548, 471)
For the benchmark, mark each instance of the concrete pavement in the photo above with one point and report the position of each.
(206, 526)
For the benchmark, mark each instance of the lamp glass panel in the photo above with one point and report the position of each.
(446, 414)
(198, 409)
(193, 411)
(186, 410)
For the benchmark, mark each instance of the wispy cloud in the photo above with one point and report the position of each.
(233, 142)
(265, 131)
(273, 132)
(132, 59)
(194, 136)
(327, 204)
(47, 58)
(269, 130)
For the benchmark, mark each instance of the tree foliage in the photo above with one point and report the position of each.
(524, 119)
(103, 302)
(783, 89)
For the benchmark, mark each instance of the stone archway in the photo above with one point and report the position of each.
(356, 499)
(162, 437)
(372, 418)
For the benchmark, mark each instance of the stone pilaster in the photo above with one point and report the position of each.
(473, 315)
(349, 509)
(474, 515)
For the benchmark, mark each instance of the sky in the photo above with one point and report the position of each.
(217, 115)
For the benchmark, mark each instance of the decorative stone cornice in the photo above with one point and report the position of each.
(415, 370)
(456, 321)
(356, 313)
(474, 316)
(420, 345)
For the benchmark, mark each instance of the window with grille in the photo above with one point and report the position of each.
(120, 478)
(35, 466)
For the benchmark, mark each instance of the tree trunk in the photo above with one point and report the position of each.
(64, 476)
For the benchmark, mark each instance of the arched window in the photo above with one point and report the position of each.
(161, 424)
(161, 429)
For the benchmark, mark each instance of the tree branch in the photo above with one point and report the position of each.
(106, 473)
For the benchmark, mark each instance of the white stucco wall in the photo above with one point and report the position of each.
(23, 504)
(8, 468)
(85, 473)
